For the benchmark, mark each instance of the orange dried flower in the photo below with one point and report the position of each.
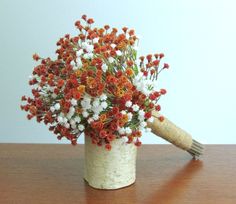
(90, 21)
(103, 117)
(125, 29)
(129, 72)
(106, 27)
(130, 63)
(84, 17)
(81, 89)
(124, 118)
(36, 57)
(131, 32)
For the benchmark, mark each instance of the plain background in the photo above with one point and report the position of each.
(197, 37)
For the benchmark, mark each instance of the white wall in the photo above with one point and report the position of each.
(197, 37)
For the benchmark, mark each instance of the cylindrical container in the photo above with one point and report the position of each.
(110, 169)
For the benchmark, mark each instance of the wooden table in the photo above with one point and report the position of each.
(49, 173)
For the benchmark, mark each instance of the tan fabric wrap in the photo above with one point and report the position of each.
(170, 132)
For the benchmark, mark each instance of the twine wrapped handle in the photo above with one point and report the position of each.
(175, 135)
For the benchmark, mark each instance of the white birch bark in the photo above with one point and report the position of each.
(110, 169)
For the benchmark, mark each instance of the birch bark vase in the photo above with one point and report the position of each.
(110, 169)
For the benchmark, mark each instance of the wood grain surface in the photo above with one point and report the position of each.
(53, 173)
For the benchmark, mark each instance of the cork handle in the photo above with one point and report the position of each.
(170, 132)
(175, 135)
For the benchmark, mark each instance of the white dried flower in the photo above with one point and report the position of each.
(95, 117)
(111, 59)
(72, 63)
(95, 40)
(88, 56)
(135, 107)
(73, 102)
(89, 48)
(67, 125)
(65, 120)
(69, 115)
(121, 131)
(57, 106)
(90, 120)
(141, 113)
(72, 110)
(143, 124)
(60, 119)
(96, 103)
(104, 67)
(72, 122)
(113, 45)
(52, 109)
(130, 115)
(77, 119)
(84, 45)
(103, 97)
(85, 114)
(78, 63)
(81, 127)
(128, 104)
(79, 52)
(104, 104)
(85, 103)
(73, 126)
(118, 53)
(128, 130)
(123, 112)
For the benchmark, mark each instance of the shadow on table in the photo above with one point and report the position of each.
(175, 187)
(167, 193)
